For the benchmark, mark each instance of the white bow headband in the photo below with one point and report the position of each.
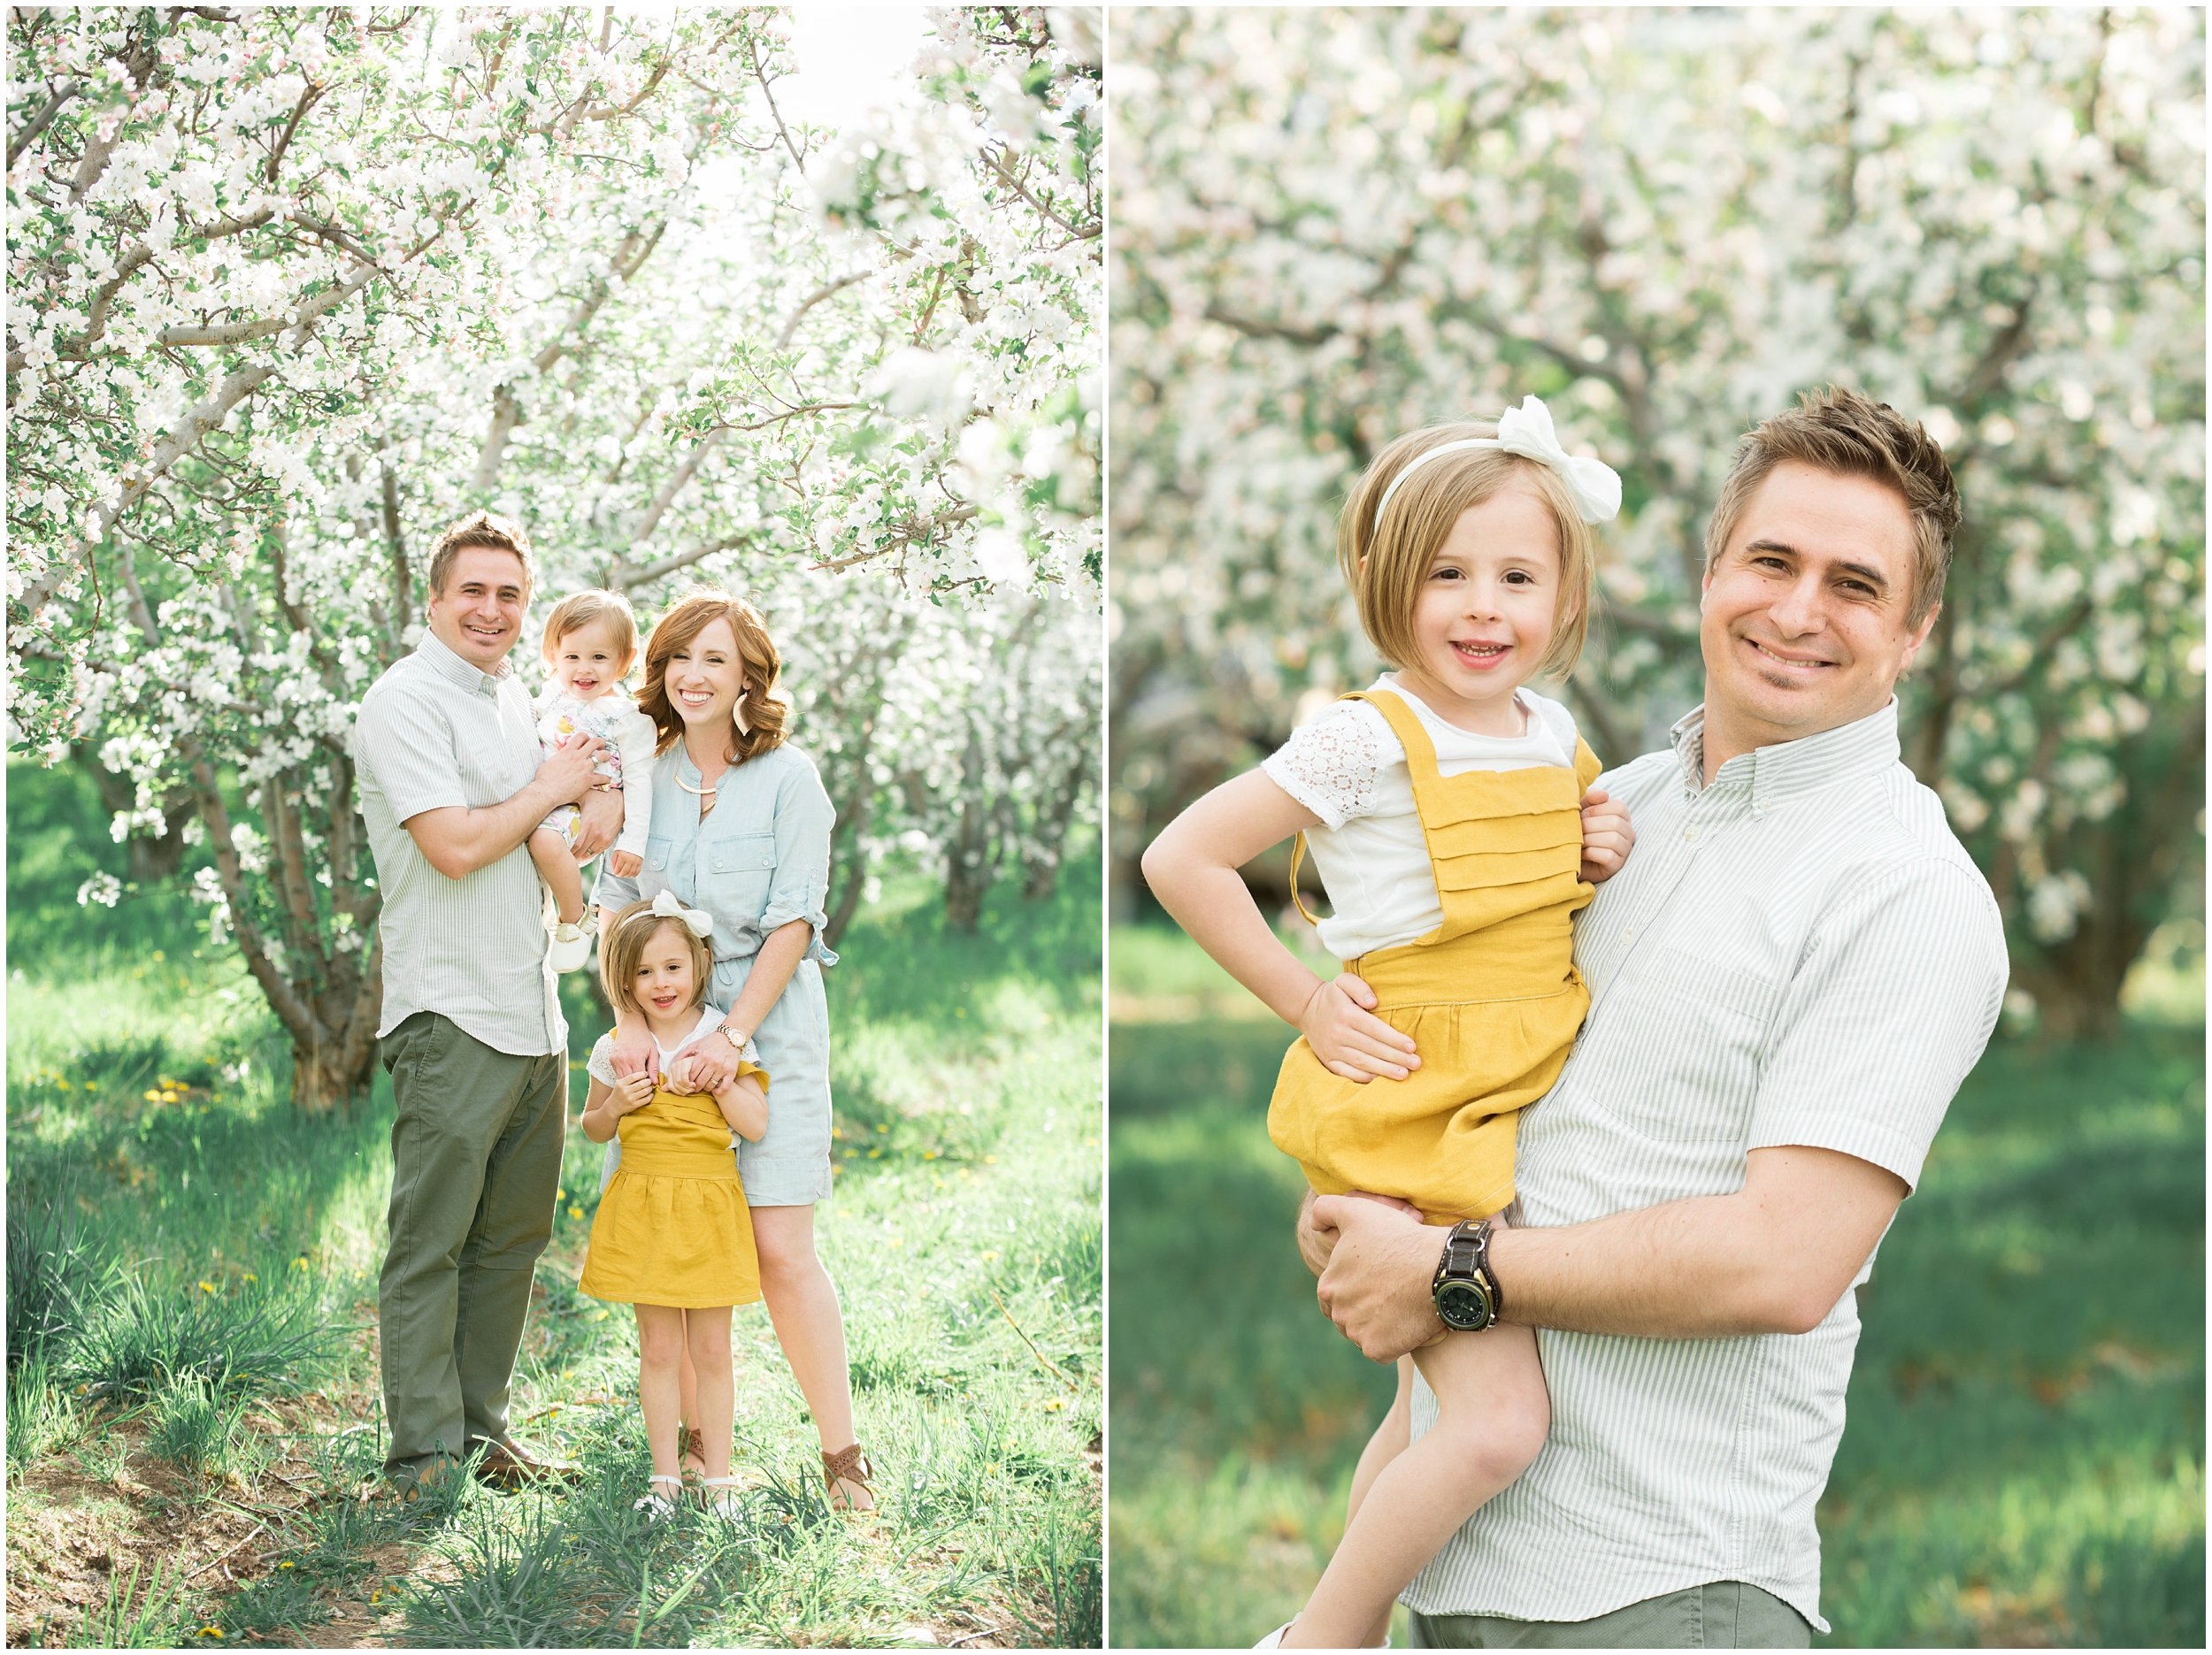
(1593, 485)
(665, 906)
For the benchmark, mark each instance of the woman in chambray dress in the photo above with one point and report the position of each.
(741, 828)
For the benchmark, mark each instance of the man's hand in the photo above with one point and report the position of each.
(568, 770)
(602, 825)
(1607, 836)
(624, 863)
(1376, 1261)
(634, 1053)
(1339, 1025)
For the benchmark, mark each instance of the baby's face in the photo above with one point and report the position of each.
(587, 663)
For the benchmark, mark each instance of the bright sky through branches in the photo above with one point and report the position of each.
(851, 60)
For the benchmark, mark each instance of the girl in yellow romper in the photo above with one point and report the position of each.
(674, 1237)
(1452, 823)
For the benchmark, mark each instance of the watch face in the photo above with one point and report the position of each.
(1464, 1306)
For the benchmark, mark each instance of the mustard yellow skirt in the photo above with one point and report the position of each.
(1442, 1138)
(673, 1228)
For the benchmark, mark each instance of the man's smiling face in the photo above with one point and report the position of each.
(1805, 611)
(478, 615)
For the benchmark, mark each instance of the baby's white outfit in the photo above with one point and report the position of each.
(1350, 771)
(630, 737)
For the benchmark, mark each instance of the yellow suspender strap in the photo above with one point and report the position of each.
(1297, 855)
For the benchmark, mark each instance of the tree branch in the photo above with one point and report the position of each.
(792, 326)
(39, 122)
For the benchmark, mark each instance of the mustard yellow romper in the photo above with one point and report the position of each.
(1491, 997)
(673, 1228)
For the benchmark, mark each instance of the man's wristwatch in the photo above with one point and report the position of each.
(1466, 1289)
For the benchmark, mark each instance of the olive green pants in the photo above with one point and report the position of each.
(476, 1158)
(1724, 1615)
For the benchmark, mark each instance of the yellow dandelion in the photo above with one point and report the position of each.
(929, 1155)
(207, 1287)
(287, 1564)
(988, 1257)
(1055, 1404)
(153, 1097)
(883, 1129)
(575, 1212)
(990, 1161)
(211, 1632)
(251, 1276)
(560, 1195)
(299, 1264)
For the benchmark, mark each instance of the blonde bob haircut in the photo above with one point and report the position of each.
(624, 946)
(761, 711)
(588, 608)
(1387, 561)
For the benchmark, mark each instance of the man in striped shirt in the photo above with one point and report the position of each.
(1789, 979)
(452, 783)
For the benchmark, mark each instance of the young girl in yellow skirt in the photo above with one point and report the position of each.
(674, 1237)
(1449, 816)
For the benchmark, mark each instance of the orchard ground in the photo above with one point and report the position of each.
(183, 1438)
(2024, 1461)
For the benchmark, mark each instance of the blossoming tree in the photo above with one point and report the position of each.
(293, 288)
(1331, 226)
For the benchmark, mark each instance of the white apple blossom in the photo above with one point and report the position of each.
(1335, 226)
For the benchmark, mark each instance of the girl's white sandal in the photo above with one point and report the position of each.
(724, 1504)
(658, 1508)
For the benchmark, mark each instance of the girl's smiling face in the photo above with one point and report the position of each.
(587, 661)
(665, 985)
(1483, 621)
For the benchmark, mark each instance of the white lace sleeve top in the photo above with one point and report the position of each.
(1349, 769)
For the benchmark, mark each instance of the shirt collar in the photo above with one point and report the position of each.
(1787, 769)
(449, 666)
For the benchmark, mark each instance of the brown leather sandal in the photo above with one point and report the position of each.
(693, 1446)
(849, 1465)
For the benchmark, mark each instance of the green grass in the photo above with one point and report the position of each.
(190, 1224)
(2024, 1461)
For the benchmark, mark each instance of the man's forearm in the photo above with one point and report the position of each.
(458, 841)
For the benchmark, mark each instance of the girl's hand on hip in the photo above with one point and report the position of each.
(1607, 836)
(1339, 1025)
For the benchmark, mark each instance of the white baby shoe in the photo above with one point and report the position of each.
(571, 943)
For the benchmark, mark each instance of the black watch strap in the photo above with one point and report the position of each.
(1464, 1266)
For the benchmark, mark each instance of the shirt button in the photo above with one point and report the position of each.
(1689, 833)
(1628, 934)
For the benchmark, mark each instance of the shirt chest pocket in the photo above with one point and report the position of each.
(491, 761)
(1699, 1032)
(735, 874)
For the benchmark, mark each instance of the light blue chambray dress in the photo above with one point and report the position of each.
(758, 861)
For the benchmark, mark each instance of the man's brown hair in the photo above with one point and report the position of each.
(624, 946)
(761, 712)
(1839, 430)
(481, 528)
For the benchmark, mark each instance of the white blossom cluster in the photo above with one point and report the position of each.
(293, 288)
(1331, 226)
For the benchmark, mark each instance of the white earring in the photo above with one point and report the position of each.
(737, 713)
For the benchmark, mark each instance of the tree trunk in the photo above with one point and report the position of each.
(152, 859)
(967, 865)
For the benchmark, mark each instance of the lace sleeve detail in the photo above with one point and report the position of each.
(599, 1064)
(1330, 765)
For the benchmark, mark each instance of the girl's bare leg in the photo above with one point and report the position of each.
(1388, 1442)
(707, 1340)
(1493, 1413)
(811, 1327)
(660, 1343)
(557, 866)
(688, 1390)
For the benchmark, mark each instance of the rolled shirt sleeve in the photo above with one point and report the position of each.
(1891, 1004)
(804, 817)
(405, 742)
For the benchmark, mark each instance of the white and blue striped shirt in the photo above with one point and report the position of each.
(1801, 952)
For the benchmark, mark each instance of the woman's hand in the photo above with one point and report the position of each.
(1339, 1025)
(1607, 836)
(708, 1066)
(634, 1051)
